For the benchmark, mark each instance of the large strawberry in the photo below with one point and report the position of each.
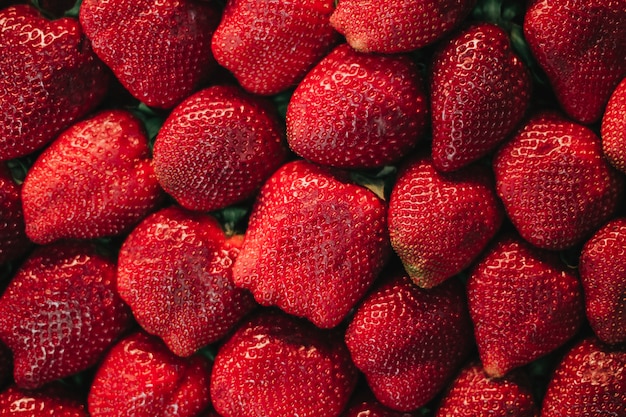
(160, 51)
(270, 45)
(54, 399)
(315, 243)
(479, 92)
(275, 365)
(613, 128)
(50, 78)
(13, 240)
(581, 45)
(60, 312)
(217, 147)
(356, 110)
(96, 179)
(174, 271)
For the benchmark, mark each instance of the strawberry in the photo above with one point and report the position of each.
(60, 312)
(408, 341)
(217, 147)
(355, 110)
(50, 78)
(440, 222)
(524, 304)
(140, 377)
(613, 128)
(175, 273)
(581, 46)
(54, 399)
(479, 92)
(397, 25)
(589, 381)
(96, 179)
(364, 404)
(602, 269)
(270, 45)
(275, 365)
(13, 240)
(556, 186)
(159, 74)
(315, 243)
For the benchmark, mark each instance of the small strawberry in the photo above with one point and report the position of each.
(315, 243)
(50, 78)
(270, 45)
(410, 341)
(556, 186)
(397, 25)
(275, 365)
(96, 179)
(13, 240)
(161, 73)
(355, 110)
(479, 92)
(581, 46)
(54, 399)
(440, 222)
(613, 128)
(217, 148)
(60, 312)
(524, 304)
(140, 377)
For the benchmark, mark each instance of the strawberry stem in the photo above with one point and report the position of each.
(73, 12)
(233, 219)
(380, 183)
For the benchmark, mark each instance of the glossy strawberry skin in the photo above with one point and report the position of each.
(159, 74)
(315, 243)
(13, 240)
(95, 180)
(613, 128)
(355, 110)
(556, 186)
(581, 46)
(51, 78)
(276, 365)
(175, 273)
(440, 222)
(524, 304)
(217, 148)
(480, 91)
(60, 312)
(408, 341)
(254, 35)
(399, 25)
(54, 399)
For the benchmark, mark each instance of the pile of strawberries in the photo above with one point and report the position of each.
(313, 208)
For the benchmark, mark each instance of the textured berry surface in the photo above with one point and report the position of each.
(613, 129)
(13, 239)
(53, 400)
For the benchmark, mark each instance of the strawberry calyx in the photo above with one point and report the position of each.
(379, 182)
(233, 219)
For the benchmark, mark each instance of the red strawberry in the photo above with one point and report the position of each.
(524, 304)
(52, 400)
(590, 381)
(581, 45)
(160, 51)
(357, 110)
(613, 130)
(96, 179)
(175, 272)
(314, 245)
(410, 341)
(270, 45)
(556, 186)
(480, 91)
(60, 312)
(275, 365)
(50, 78)
(440, 222)
(140, 377)
(603, 274)
(397, 25)
(366, 405)
(217, 148)
(13, 240)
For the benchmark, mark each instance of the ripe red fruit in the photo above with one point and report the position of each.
(50, 78)
(364, 404)
(159, 51)
(556, 186)
(217, 147)
(275, 365)
(175, 273)
(355, 110)
(95, 180)
(60, 312)
(54, 399)
(13, 240)
(613, 128)
(440, 222)
(269, 46)
(315, 243)
(524, 304)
